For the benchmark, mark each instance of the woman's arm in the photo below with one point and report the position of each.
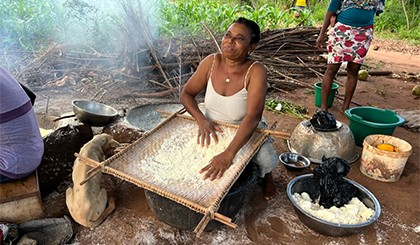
(194, 86)
(257, 89)
(321, 38)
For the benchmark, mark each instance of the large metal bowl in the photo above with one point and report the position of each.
(93, 113)
(315, 144)
(300, 184)
(147, 117)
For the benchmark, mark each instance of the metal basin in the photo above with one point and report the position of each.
(315, 144)
(147, 117)
(299, 185)
(93, 113)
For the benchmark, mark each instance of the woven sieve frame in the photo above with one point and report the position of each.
(150, 143)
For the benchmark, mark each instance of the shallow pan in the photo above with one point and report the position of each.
(294, 161)
(93, 113)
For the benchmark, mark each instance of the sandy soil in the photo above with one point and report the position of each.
(261, 221)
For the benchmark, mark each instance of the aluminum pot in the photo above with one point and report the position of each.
(93, 113)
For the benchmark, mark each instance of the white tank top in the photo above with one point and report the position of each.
(227, 109)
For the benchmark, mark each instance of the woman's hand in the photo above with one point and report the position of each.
(327, 21)
(217, 166)
(320, 41)
(333, 20)
(206, 131)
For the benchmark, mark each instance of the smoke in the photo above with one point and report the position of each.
(102, 26)
(106, 25)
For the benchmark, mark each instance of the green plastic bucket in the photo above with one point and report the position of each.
(368, 120)
(318, 96)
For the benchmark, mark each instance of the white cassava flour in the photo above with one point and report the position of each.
(180, 158)
(354, 212)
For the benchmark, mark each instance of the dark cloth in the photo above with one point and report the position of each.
(30, 94)
(5, 179)
(15, 113)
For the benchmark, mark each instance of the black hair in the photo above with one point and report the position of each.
(253, 28)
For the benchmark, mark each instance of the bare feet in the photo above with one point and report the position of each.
(343, 110)
(270, 190)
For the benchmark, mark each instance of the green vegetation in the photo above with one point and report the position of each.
(25, 23)
(286, 107)
(309, 91)
(186, 16)
(400, 20)
(33, 25)
(391, 25)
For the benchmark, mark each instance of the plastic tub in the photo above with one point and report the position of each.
(318, 94)
(384, 165)
(183, 218)
(368, 120)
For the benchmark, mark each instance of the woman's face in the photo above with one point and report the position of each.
(237, 41)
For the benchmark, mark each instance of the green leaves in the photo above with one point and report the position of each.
(185, 16)
(286, 108)
(26, 23)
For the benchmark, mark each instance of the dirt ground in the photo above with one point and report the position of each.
(261, 221)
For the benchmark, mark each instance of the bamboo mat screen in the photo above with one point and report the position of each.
(167, 161)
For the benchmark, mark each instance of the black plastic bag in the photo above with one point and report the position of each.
(332, 188)
(323, 120)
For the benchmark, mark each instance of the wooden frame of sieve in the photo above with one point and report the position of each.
(119, 166)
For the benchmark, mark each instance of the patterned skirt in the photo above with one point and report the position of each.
(349, 43)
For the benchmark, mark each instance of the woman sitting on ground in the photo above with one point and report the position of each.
(21, 144)
(235, 93)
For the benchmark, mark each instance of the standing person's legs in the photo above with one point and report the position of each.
(351, 83)
(327, 82)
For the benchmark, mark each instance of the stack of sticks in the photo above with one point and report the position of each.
(161, 67)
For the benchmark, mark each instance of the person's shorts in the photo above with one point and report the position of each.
(296, 14)
(266, 158)
(349, 43)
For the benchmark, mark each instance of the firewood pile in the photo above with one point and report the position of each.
(160, 67)
(291, 54)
